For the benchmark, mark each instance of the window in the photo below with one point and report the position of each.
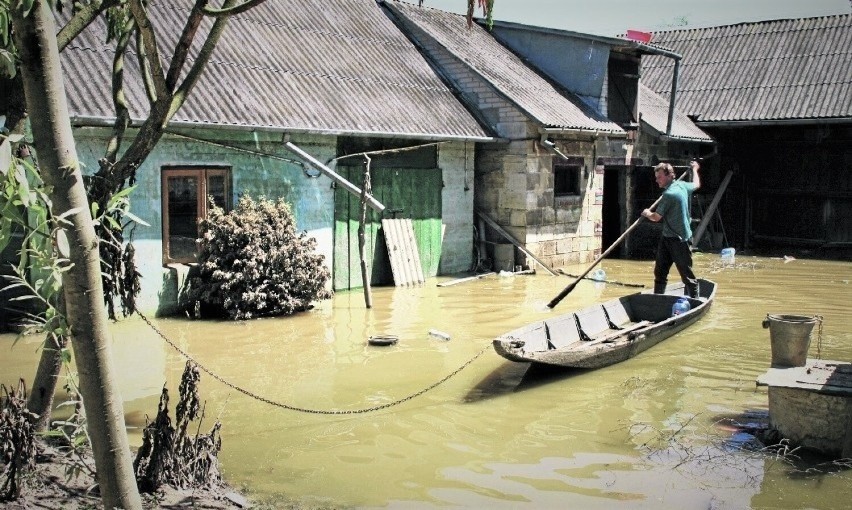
(185, 192)
(566, 179)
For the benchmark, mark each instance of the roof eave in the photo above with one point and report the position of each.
(83, 120)
(772, 122)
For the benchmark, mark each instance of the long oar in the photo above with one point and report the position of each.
(567, 290)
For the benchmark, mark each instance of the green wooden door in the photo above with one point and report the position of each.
(406, 193)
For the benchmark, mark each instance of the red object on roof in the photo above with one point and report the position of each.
(636, 35)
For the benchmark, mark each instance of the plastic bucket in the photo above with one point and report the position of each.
(790, 338)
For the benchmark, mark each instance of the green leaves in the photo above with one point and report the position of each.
(43, 252)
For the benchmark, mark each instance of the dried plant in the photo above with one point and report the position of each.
(253, 263)
(169, 455)
(17, 440)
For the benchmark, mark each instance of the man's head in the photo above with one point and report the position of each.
(664, 174)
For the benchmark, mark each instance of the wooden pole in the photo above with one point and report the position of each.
(493, 224)
(362, 241)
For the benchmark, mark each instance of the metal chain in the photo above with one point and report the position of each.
(819, 336)
(303, 409)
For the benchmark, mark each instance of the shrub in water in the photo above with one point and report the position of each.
(253, 263)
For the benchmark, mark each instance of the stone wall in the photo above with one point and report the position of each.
(812, 420)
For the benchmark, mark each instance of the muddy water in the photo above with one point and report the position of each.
(652, 432)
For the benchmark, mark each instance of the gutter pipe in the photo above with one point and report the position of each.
(673, 95)
(348, 186)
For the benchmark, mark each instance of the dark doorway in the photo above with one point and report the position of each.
(613, 206)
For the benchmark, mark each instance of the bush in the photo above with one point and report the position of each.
(253, 263)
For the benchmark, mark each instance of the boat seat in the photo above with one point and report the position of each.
(535, 339)
(563, 331)
(592, 321)
(617, 313)
(608, 337)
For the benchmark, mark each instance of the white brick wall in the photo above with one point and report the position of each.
(456, 161)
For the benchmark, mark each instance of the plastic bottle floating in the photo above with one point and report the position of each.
(681, 306)
(440, 335)
(599, 275)
(728, 255)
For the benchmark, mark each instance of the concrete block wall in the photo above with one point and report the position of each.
(456, 161)
(514, 177)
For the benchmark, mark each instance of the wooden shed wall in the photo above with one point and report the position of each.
(792, 187)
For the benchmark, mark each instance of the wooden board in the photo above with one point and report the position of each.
(403, 252)
(819, 376)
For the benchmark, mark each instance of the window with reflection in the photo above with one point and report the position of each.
(185, 202)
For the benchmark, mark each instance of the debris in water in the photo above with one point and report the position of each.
(439, 334)
(383, 340)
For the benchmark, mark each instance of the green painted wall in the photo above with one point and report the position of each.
(412, 193)
(311, 197)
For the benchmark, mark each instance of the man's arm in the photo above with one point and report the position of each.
(651, 215)
(696, 178)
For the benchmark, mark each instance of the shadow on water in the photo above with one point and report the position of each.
(751, 431)
(511, 377)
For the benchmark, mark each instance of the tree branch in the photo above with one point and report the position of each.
(227, 10)
(82, 19)
(201, 61)
(149, 40)
(185, 43)
(122, 113)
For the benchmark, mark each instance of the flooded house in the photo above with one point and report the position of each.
(579, 134)
(777, 96)
(534, 139)
(319, 81)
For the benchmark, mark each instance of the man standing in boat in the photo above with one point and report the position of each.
(674, 211)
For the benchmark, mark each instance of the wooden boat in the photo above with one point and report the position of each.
(605, 333)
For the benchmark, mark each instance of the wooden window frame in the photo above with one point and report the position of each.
(203, 174)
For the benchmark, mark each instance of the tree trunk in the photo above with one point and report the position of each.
(40, 399)
(35, 37)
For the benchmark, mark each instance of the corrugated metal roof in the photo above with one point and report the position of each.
(654, 110)
(772, 70)
(506, 72)
(308, 65)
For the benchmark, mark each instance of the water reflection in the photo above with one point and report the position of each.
(640, 434)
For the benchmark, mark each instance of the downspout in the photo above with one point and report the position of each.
(656, 50)
(673, 96)
(551, 146)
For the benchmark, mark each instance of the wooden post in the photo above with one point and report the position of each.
(362, 242)
(500, 230)
(482, 247)
(708, 214)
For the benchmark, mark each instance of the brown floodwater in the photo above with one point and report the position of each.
(652, 432)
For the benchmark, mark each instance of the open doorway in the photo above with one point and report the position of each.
(614, 206)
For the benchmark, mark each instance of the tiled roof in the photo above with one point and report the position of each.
(538, 97)
(772, 70)
(338, 66)
(654, 110)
